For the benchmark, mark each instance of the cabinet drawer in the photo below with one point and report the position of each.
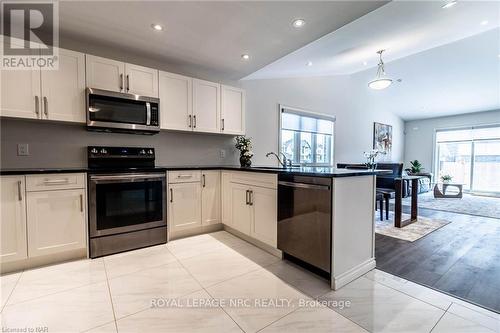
(60, 181)
(184, 176)
(268, 180)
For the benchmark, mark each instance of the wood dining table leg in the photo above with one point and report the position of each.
(414, 199)
(398, 203)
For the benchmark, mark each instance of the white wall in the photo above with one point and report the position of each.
(346, 97)
(419, 143)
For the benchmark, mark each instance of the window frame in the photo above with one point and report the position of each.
(307, 113)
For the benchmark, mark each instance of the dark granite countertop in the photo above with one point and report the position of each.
(303, 171)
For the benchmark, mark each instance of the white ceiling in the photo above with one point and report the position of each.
(207, 35)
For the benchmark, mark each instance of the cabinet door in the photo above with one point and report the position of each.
(141, 80)
(265, 217)
(240, 209)
(226, 199)
(206, 106)
(13, 219)
(210, 197)
(232, 110)
(176, 101)
(56, 221)
(184, 206)
(63, 90)
(105, 73)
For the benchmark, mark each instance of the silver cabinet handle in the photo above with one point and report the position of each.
(45, 106)
(171, 195)
(37, 106)
(184, 176)
(190, 121)
(194, 121)
(81, 203)
(246, 197)
(121, 82)
(56, 182)
(19, 190)
(128, 82)
(204, 181)
(250, 198)
(222, 124)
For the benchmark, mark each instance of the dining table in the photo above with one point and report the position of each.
(398, 204)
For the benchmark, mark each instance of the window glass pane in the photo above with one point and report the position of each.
(455, 160)
(295, 122)
(323, 146)
(454, 135)
(486, 133)
(486, 166)
(306, 148)
(288, 144)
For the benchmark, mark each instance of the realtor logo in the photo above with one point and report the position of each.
(30, 34)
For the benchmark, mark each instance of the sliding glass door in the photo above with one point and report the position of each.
(471, 156)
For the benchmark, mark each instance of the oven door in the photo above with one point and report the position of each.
(108, 109)
(126, 202)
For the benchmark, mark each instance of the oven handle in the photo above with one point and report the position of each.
(129, 176)
(304, 185)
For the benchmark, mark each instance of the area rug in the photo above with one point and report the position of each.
(411, 232)
(469, 204)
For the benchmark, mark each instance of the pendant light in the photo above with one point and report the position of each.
(380, 82)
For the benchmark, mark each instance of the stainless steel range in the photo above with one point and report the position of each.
(127, 197)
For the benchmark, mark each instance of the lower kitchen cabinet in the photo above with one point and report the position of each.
(13, 244)
(241, 211)
(264, 202)
(210, 197)
(56, 221)
(184, 205)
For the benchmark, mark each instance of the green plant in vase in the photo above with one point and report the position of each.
(415, 167)
(244, 145)
(446, 178)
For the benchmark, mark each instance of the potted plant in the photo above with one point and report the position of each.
(370, 158)
(415, 167)
(244, 145)
(446, 179)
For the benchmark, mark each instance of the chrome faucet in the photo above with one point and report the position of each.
(284, 163)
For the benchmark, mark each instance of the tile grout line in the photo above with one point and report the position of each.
(110, 296)
(12, 291)
(437, 322)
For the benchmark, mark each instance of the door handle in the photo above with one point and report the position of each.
(246, 197)
(45, 106)
(81, 203)
(121, 82)
(19, 190)
(128, 82)
(190, 121)
(250, 198)
(56, 182)
(171, 195)
(194, 121)
(204, 180)
(37, 106)
(222, 124)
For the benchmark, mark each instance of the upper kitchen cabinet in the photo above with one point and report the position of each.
(105, 73)
(232, 110)
(118, 76)
(57, 94)
(176, 101)
(206, 106)
(63, 90)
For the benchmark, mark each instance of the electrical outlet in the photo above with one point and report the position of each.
(222, 153)
(23, 149)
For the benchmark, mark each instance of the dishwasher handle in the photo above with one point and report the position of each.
(305, 185)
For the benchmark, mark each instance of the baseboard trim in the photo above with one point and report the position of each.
(263, 246)
(172, 235)
(352, 274)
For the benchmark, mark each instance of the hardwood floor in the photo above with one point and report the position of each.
(461, 259)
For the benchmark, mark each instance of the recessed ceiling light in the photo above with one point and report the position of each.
(365, 63)
(298, 23)
(485, 22)
(245, 57)
(449, 4)
(157, 27)
(309, 63)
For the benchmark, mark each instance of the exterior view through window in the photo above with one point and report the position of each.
(471, 156)
(306, 138)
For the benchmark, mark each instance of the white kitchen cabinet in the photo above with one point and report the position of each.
(112, 75)
(226, 198)
(232, 110)
(63, 90)
(206, 106)
(141, 80)
(13, 244)
(176, 101)
(103, 73)
(56, 221)
(210, 197)
(20, 93)
(241, 211)
(184, 206)
(265, 215)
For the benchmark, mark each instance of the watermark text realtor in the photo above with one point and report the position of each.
(30, 35)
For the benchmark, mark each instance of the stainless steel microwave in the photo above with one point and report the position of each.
(119, 112)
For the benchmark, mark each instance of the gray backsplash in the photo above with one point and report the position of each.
(59, 145)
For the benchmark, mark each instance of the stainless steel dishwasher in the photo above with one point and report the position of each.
(304, 220)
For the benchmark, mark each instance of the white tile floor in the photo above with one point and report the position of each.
(204, 278)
